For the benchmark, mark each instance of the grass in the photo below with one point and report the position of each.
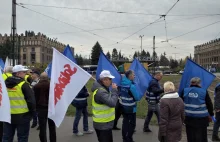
(142, 105)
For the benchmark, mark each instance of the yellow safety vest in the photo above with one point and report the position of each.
(101, 112)
(6, 75)
(17, 100)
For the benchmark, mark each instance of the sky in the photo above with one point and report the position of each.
(81, 29)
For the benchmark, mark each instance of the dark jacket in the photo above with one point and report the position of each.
(202, 121)
(28, 93)
(41, 90)
(154, 87)
(81, 95)
(107, 98)
(171, 117)
(217, 98)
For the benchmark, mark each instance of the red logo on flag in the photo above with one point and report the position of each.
(0, 94)
(63, 80)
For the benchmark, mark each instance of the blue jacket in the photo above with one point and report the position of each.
(81, 99)
(128, 96)
(154, 91)
(195, 104)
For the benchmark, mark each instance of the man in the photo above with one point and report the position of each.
(28, 77)
(198, 108)
(41, 90)
(153, 97)
(128, 97)
(117, 116)
(103, 103)
(22, 103)
(8, 73)
(35, 74)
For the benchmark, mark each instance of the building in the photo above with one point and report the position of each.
(208, 54)
(33, 48)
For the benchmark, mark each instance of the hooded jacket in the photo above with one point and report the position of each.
(28, 93)
(104, 97)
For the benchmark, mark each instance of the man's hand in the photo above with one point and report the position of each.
(114, 86)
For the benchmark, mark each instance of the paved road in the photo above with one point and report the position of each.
(64, 133)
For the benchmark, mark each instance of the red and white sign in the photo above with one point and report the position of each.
(5, 112)
(67, 79)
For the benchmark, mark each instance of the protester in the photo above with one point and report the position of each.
(117, 116)
(8, 72)
(171, 115)
(22, 103)
(128, 97)
(28, 77)
(198, 109)
(216, 126)
(35, 74)
(103, 103)
(41, 90)
(153, 98)
(80, 102)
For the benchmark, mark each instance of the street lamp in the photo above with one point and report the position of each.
(141, 41)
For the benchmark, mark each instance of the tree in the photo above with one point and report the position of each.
(119, 55)
(190, 57)
(173, 63)
(135, 55)
(114, 54)
(96, 49)
(148, 54)
(6, 50)
(163, 60)
(108, 55)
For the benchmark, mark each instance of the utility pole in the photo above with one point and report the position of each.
(141, 46)
(175, 55)
(13, 29)
(154, 58)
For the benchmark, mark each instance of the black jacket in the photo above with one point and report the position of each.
(217, 98)
(203, 121)
(81, 103)
(28, 95)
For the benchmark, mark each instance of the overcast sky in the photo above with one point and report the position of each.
(177, 23)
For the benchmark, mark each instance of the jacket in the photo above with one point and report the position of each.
(128, 96)
(81, 99)
(103, 96)
(154, 91)
(217, 98)
(202, 121)
(171, 117)
(28, 93)
(41, 90)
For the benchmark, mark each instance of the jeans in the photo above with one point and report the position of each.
(80, 111)
(152, 109)
(104, 135)
(34, 118)
(216, 124)
(128, 126)
(22, 131)
(43, 118)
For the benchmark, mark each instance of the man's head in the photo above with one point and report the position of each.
(106, 78)
(195, 81)
(130, 75)
(158, 75)
(43, 76)
(35, 74)
(8, 69)
(19, 71)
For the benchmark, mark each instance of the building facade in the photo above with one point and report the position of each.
(208, 54)
(33, 48)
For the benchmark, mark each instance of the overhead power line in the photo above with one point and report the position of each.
(119, 12)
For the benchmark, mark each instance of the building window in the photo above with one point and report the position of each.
(35, 42)
(24, 49)
(24, 56)
(32, 57)
(32, 49)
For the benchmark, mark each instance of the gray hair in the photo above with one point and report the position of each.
(8, 69)
(44, 76)
(195, 80)
(168, 87)
(158, 73)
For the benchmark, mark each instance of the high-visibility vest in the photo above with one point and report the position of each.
(26, 77)
(17, 100)
(6, 75)
(101, 112)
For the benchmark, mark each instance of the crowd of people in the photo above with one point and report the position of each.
(28, 91)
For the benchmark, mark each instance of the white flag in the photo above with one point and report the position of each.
(67, 79)
(7, 63)
(5, 111)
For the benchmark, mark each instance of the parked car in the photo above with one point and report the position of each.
(181, 72)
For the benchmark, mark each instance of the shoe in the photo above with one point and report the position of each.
(147, 130)
(88, 132)
(79, 134)
(215, 138)
(33, 125)
(116, 128)
(38, 128)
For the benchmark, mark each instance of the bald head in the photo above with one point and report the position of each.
(43, 76)
(8, 69)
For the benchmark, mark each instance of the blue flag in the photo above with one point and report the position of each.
(142, 77)
(105, 64)
(68, 53)
(2, 64)
(194, 70)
